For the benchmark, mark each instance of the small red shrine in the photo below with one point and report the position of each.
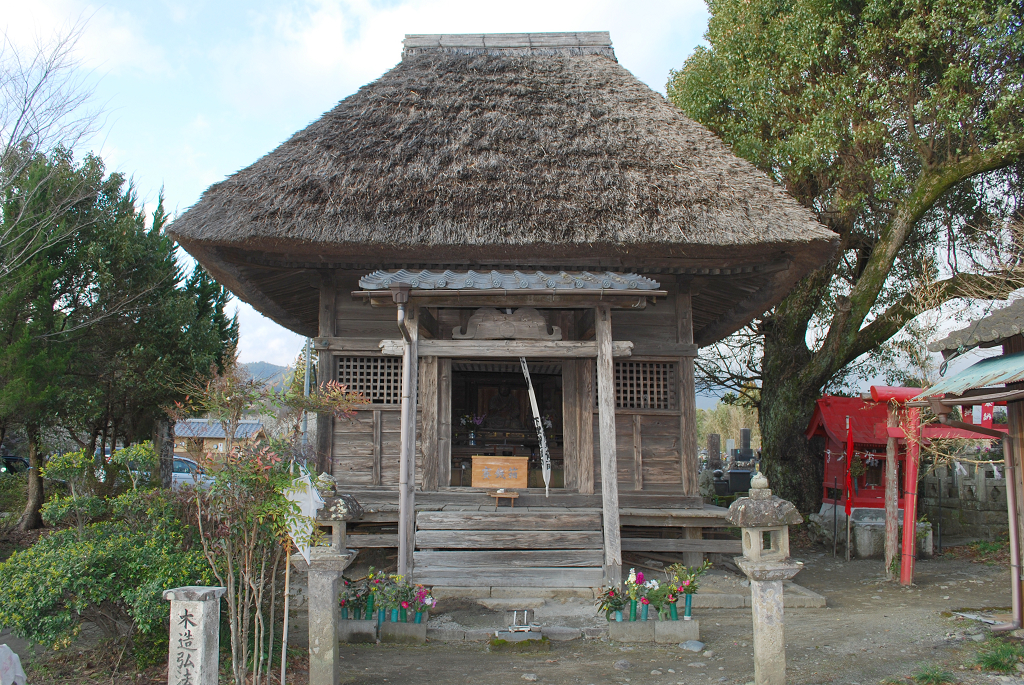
(870, 434)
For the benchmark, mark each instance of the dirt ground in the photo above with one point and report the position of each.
(871, 630)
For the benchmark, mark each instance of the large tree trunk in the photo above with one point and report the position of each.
(794, 472)
(31, 518)
(163, 442)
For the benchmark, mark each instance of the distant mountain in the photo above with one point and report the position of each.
(275, 376)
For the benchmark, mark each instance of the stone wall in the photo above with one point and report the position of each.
(973, 506)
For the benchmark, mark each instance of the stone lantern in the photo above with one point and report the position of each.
(765, 520)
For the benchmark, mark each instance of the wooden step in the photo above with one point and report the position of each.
(507, 577)
(548, 558)
(669, 545)
(509, 539)
(507, 520)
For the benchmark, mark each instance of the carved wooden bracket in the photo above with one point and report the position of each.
(525, 323)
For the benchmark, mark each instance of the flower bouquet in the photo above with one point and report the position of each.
(639, 590)
(423, 602)
(354, 597)
(687, 580)
(611, 601)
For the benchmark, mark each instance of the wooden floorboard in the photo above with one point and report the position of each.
(663, 545)
(506, 520)
(371, 540)
(553, 558)
(502, 539)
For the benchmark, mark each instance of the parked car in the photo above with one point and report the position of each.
(188, 472)
(12, 464)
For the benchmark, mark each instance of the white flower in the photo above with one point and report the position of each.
(651, 584)
(632, 576)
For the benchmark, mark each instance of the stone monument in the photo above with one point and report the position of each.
(765, 520)
(194, 649)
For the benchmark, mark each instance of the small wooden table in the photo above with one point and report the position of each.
(510, 495)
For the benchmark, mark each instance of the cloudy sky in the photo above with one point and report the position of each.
(195, 90)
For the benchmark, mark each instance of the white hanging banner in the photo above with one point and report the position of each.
(995, 468)
(301, 527)
(545, 457)
(960, 468)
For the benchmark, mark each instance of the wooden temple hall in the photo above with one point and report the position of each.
(492, 199)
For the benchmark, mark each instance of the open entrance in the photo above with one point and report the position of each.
(491, 416)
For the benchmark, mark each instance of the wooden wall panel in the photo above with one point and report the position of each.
(356, 318)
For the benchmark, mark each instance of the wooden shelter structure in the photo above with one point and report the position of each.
(496, 197)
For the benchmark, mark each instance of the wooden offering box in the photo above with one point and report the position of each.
(499, 472)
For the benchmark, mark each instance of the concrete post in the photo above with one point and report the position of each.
(325, 569)
(194, 651)
(765, 521)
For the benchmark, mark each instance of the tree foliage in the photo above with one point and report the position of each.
(101, 327)
(900, 123)
(113, 576)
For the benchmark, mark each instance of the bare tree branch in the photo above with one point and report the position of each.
(44, 106)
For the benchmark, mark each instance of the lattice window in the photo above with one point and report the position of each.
(645, 385)
(379, 379)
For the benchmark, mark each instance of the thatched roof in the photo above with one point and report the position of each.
(989, 331)
(520, 150)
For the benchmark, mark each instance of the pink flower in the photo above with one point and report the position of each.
(639, 577)
(405, 605)
(686, 583)
(644, 600)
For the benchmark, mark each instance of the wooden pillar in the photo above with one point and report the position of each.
(638, 455)
(609, 468)
(892, 493)
(1015, 421)
(689, 461)
(571, 456)
(428, 420)
(444, 422)
(378, 452)
(585, 426)
(407, 463)
(325, 372)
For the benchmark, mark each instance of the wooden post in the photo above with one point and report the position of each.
(407, 463)
(428, 420)
(609, 467)
(689, 462)
(638, 455)
(1015, 421)
(378, 456)
(326, 372)
(909, 555)
(585, 426)
(892, 493)
(444, 422)
(570, 424)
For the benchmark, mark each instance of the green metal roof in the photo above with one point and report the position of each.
(999, 370)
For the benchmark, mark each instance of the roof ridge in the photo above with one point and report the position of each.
(555, 43)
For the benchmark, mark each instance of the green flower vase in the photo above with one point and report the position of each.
(632, 610)
(689, 607)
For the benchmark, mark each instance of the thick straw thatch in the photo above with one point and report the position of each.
(496, 149)
(451, 149)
